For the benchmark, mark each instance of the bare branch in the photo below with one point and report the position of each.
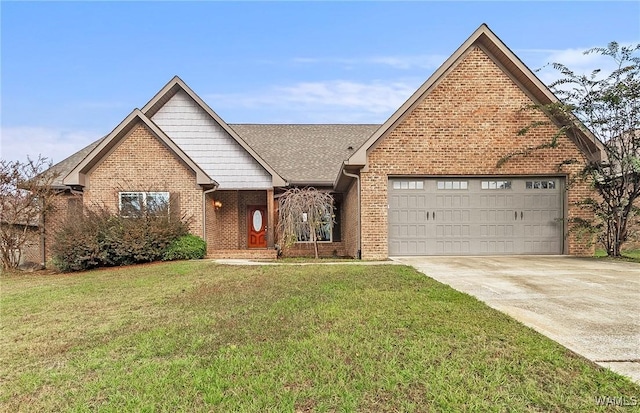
(304, 214)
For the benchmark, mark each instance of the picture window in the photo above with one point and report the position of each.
(133, 204)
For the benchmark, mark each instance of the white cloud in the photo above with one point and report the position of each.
(396, 62)
(329, 101)
(16, 143)
(573, 58)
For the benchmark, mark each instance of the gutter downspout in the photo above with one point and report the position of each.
(204, 211)
(358, 240)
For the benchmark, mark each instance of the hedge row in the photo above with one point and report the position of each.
(98, 238)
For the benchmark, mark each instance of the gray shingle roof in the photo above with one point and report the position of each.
(305, 153)
(299, 153)
(65, 166)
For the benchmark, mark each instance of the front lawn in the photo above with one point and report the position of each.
(630, 255)
(196, 336)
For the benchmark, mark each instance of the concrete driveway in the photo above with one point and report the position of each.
(589, 306)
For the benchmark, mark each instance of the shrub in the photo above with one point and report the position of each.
(187, 247)
(98, 238)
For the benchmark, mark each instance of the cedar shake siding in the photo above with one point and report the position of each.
(208, 144)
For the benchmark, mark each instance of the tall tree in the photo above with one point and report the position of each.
(606, 106)
(26, 192)
(304, 214)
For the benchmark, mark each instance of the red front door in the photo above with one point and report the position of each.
(257, 223)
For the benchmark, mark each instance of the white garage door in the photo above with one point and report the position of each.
(475, 216)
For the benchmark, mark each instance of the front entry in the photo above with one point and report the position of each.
(257, 224)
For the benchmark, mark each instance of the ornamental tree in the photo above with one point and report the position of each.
(26, 193)
(607, 107)
(303, 215)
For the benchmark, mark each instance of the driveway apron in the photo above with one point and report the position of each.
(590, 306)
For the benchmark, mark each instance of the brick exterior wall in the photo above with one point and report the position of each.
(325, 250)
(223, 224)
(62, 207)
(227, 227)
(464, 126)
(141, 162)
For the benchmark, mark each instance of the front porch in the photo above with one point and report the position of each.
(239, 224)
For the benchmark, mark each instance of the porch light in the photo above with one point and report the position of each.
(217, 204)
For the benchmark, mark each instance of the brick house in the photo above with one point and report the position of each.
(427, 181)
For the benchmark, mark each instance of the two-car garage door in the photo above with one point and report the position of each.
(475, 216)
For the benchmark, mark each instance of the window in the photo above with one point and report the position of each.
(136, 203)
(495, 185)
(453, 185)
(329, 230)
(408, 184)
(550, 184)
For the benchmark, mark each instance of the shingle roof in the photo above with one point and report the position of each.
(301, 154)
(65, 166)
(305, 153)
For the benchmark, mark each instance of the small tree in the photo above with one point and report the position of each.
(303, 213)
(26, 192)
(608, 107)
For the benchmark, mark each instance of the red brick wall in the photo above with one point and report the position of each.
(222, 223)
(467, 123)
(325, 250)
(141, 162)
(227, 226)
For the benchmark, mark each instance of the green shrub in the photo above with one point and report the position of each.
(98, 238)
(187, 247)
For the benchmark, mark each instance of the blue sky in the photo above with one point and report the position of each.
(70, 72)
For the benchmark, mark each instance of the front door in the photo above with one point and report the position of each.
(257, 223)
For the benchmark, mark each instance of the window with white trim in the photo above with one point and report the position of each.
(132, 204)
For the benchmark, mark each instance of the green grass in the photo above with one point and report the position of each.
(196, 336)
(629, 255)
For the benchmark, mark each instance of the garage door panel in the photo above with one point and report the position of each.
(489, 216)
(454, 247)
(497, 247)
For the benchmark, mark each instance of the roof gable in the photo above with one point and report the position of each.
(511, 65)
(176, 85)
(102, 148)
